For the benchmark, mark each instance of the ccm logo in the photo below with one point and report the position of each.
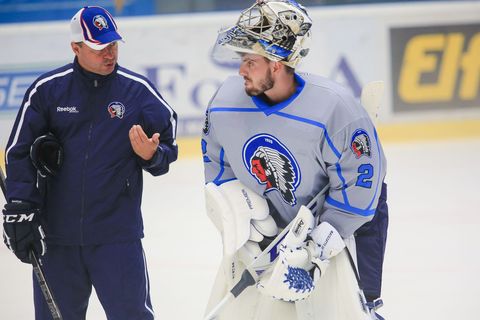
(16, 218)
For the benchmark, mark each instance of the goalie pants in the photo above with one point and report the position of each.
(370, 240)
(117, 271)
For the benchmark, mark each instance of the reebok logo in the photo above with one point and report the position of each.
(67, 109)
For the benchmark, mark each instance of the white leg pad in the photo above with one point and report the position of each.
(250, 305)
(337, 294)
(336, 297)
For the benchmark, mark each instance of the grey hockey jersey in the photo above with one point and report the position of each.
(288, 152)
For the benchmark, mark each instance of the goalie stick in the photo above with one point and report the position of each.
(265, 259)
(2, 184)
(37, 269)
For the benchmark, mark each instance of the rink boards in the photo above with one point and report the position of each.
(426, 53)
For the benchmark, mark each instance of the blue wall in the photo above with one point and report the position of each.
(47, 10)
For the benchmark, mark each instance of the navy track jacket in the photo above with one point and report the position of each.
(96, 196)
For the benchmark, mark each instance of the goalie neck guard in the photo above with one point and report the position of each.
(277, 30)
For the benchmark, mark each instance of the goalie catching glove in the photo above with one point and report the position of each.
(241, 216)
(21, 230)
(301, 263)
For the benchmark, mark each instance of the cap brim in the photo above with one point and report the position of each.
(104, 40)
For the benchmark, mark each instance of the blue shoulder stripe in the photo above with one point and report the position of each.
(348, 208)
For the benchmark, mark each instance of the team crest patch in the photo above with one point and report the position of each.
(272, 164)
(100, 22)
(116, 109)
(360, 144)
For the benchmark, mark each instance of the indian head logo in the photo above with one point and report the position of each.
(100, 22)
(360, 143)
(272, 164)
(116, 109)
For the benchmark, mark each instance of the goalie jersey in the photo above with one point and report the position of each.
(290, 151)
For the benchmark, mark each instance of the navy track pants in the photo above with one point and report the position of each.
(117, 271)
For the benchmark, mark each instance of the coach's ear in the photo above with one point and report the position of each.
(46, 153)
(75, 47)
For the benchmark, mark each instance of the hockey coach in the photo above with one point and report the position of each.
(108, 124)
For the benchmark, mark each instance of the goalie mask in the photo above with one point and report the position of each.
(278, 30)
(46, 154)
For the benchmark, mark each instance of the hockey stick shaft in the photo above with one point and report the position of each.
(2, 184)
(37, 269)
(42, 282)
(371, 98)
(264, 260)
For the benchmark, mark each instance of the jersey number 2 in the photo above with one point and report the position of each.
(365, 176)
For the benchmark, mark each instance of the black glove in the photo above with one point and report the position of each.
(21, 230)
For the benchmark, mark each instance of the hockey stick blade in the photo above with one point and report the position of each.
(262, 262)
(37, 269)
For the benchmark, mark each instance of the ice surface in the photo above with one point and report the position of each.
(432, 264)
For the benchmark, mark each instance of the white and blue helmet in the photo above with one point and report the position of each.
(276, 29)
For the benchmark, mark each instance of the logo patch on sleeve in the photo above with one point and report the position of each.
(272, 164)
(360, 143)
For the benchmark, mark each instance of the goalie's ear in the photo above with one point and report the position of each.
(46, 154)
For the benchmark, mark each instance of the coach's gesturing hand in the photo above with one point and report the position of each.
(143, 146)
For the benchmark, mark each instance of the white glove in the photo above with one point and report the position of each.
(239, 214)
(290, 279)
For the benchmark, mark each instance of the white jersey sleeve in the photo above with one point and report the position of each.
(356, 168)
(216, 165)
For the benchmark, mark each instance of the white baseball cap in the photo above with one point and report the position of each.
(95, 27)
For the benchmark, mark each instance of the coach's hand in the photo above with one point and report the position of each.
(142, 145)
(21, 230)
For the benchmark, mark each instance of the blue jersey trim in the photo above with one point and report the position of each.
(379, 170)
(233, 109)
(220, 182)
(222, 167)
(313, 123)
(344, 184)
(348, 208)
(338, 154)
(206, 159)
(269, 109)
